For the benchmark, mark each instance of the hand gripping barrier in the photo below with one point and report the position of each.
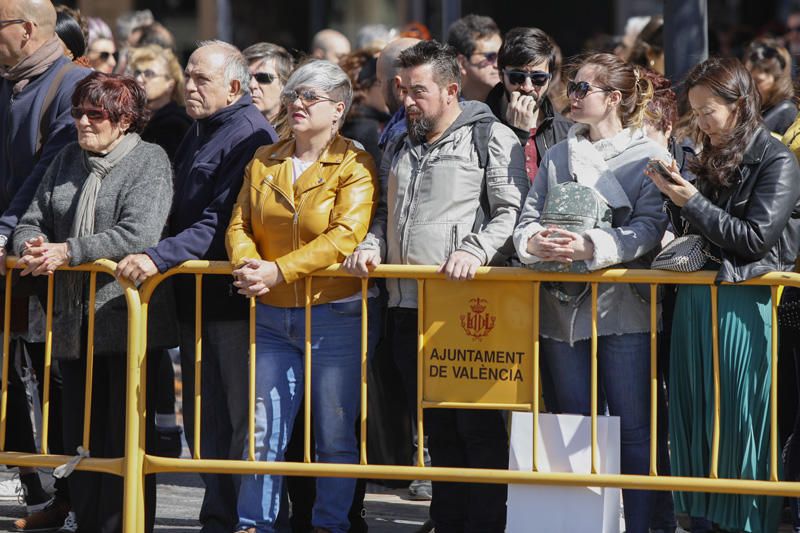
(128, 467)
(138, 463)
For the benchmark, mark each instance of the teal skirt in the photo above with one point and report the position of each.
(745, 321)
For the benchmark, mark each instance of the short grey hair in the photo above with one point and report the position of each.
(235, 64)
(373, 36)
(325, 76)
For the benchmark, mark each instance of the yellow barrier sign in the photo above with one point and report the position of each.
(477, 342)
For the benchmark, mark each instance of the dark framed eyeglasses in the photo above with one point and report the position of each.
(9, 22)
(579, 89)
(793, 29)
(94, 115)
(539, 78)
(489, 58)
(765, 52)
(307, 97)
(147, 74)
(264, 78)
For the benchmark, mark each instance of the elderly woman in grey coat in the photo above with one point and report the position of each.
(106, 196)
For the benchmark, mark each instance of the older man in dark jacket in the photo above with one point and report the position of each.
(36, 84)
(209, 167)
(527, 63)
(35, 91)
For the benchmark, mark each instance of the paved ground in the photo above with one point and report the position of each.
(179, 497)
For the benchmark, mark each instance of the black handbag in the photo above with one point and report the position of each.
(684, 254)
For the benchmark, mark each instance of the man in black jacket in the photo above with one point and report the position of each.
(527, 61)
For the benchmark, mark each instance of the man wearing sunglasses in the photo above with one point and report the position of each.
(209, 168)
(477, 40)
(527, 62)
(270, 66)
(36, 83)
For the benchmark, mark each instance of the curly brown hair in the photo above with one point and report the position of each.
(661, 111)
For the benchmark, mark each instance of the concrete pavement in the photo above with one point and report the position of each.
(179, 497)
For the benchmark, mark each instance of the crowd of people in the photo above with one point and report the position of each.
(409, 151)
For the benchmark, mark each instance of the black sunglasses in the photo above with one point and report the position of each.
(579, 89)
(539, 78)
(489, 58)
(94, 115)
(764, 52)
(104, 56)
(264, 78)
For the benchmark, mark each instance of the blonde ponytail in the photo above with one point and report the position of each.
(643, 95)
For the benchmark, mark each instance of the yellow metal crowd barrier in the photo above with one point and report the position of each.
(138, 463)
(126, 467)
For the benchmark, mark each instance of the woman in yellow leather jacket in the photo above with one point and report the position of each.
(305, 204)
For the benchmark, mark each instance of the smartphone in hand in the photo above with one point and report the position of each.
(662, 170)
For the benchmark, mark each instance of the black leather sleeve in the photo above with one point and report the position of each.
(765, 214)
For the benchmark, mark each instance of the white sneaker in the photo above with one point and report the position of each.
(420, 490)
(70, 524)
(11, 490)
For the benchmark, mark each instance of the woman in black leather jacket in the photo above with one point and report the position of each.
(745, 203)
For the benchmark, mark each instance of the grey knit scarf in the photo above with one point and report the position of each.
(83, 224)
(98, 166)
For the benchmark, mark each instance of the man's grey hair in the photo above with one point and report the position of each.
(235, 64)
(373, 36)
(326, 77)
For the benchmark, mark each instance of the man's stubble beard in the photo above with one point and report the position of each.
(419, 128)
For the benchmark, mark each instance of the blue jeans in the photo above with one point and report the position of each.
(623, 363)
(335, 382)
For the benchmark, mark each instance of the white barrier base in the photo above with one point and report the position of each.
(564, 446)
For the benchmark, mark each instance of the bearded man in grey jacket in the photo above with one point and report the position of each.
(453, 155)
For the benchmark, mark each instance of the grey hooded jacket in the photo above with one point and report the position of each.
(638, 224)
(432, 196)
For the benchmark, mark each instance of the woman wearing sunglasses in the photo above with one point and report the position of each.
(771, 67)
(160, 74)
(101, 50)
(106, 196)
(305, 204)
(744, 202)
(607, 151)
